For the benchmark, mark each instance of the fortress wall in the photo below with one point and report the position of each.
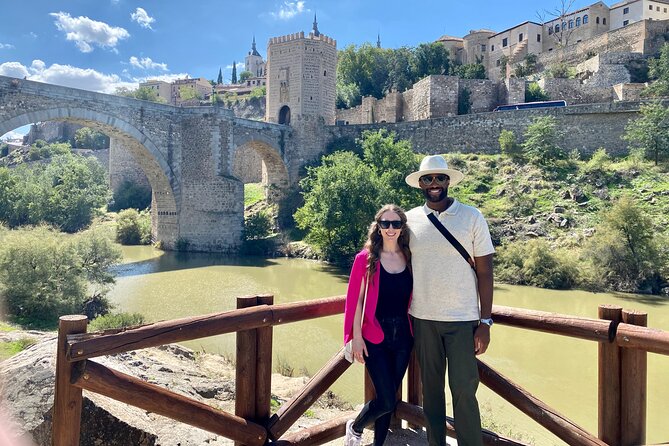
(574, 92)
(483, 94)
(586, 128)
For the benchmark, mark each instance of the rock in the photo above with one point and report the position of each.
(577, 195)
(559, 210)
(564, 223)
(589, 232)
(532, 234)
(531, 219)
(602, 194)
(566, 195)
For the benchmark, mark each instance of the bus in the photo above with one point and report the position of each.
(525, 105)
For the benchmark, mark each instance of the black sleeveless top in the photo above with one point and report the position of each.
(394, 293)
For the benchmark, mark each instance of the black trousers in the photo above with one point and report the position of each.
(386, 364)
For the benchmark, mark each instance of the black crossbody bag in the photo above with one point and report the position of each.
(456, 244)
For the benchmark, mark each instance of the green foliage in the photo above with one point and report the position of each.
(599, 161)
(534, 263)
(527, 67)
(42, 150)
(11, 348)
(257, 226)
(258, 92)
(431, 58)
(186, 93)
(234, 72)
(4, 149)
(540, 144)
(343, 193)
(133, 227)
(650, 132)
(44, 274)
(658, 69)
(114, 321)
(508, 143)
(503, 63)
(87, 138)
(625, 252)
(253, 193)
(535, 93)
(470, 71)
(130, 195)
(65, 193)
(143, 93)
(464, 102)
(244, 75)
(561, 71)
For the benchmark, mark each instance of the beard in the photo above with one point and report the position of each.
(432, 199)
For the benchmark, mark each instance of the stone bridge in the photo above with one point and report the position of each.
(186, 154)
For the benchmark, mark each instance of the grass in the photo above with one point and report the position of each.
(9, 349)
(253, 193)
(5, 327)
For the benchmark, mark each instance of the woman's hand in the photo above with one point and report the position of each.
(359, 350)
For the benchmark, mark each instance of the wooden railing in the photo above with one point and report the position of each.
(622, 336)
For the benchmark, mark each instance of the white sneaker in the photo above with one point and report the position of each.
(352, 437)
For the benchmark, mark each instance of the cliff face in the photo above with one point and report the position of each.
(52, 131)
(252, 108)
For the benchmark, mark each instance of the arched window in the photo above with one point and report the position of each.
(284, 115)
(571, 24)
(585, 19)
(597, 20)
(578, 21)
(557, 28)
(564, 26)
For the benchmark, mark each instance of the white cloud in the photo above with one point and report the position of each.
(288, 10)
(86, 32)
(6, 46)
(240, 66)
(146, 63)
(84, 78)
(142, 18)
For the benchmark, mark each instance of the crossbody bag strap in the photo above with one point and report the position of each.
(456, 244)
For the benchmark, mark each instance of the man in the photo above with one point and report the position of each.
(452, 300)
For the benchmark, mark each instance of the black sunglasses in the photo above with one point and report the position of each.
(426, 180)
(385, 224)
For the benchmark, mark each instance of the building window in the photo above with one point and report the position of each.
(538, 37)
(557, 28)
(627, 10)
(505, 42)
(585, 19)
(564, 26)
(626, 22)
(325, 72)
(650, 7)
(604, 21)
(497, 63)
(571, 24)
(578, 21)
(597, 20)
(492, 48)
(657, 8)
(483, 48)
(550, 30)
(520, 37)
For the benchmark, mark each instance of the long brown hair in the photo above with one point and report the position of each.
(374, 242)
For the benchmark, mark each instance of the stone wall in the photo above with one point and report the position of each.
(575, 92)
(482, 94)
(585, 128)
(251, 108)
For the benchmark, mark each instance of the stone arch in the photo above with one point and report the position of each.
(274, 173)
(165, 187)
(284, 115)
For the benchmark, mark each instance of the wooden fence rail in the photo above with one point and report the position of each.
(622, 337)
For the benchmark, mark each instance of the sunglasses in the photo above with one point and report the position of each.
(426, 180)
(385, 224)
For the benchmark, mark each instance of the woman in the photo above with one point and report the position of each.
(378, 325)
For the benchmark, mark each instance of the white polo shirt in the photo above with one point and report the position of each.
(444, 285)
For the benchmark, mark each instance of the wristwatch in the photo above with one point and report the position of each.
(487, 321)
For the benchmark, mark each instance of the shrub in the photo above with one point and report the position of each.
(535, 93)
(508, 143)
(561, 71)
(113, 321)
(598, 161)
(130, 195)
(540, 145)
(534, 263)
(464, 102)
(257, 226)
(44, 274)
(133, 227)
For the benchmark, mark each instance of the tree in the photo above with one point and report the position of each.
(562, 29)
(87, 138)
(187, 93)
(219, 80)
(624, 251)
(133, 227)
(508, 143)
(148, 94)
(431, 58)
(400, 74)
(540, 145)
(244, 75)
(535, 93)
(464, 101)
(659, 70)
(470, 71)
(650, 132)
(365, 67)
(340, 199)
(527, 67)
(234, 72)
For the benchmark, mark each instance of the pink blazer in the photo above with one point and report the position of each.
(371, 329)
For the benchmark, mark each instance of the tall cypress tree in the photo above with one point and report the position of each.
(234, 72)
(220, 77)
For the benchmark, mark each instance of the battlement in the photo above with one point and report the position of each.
(299, 36)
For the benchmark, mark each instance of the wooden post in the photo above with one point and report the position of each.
(246, 372)
(415, 385)
(609, 380)
(633, 387)
(264, 366)
(67, 399)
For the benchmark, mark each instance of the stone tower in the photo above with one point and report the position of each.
(301, 77)
(253, 61)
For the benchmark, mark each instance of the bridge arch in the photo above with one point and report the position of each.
(274, 173)
(164, 184)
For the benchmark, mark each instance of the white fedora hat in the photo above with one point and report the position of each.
(434, 164)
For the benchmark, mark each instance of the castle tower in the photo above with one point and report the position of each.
(253, 62)
(301, 77)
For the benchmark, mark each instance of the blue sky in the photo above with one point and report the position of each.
(104, 44)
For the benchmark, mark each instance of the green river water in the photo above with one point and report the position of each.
(560, 371)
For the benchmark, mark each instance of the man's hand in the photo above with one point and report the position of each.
(481, 339)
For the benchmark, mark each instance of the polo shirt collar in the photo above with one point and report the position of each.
(452, 209)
